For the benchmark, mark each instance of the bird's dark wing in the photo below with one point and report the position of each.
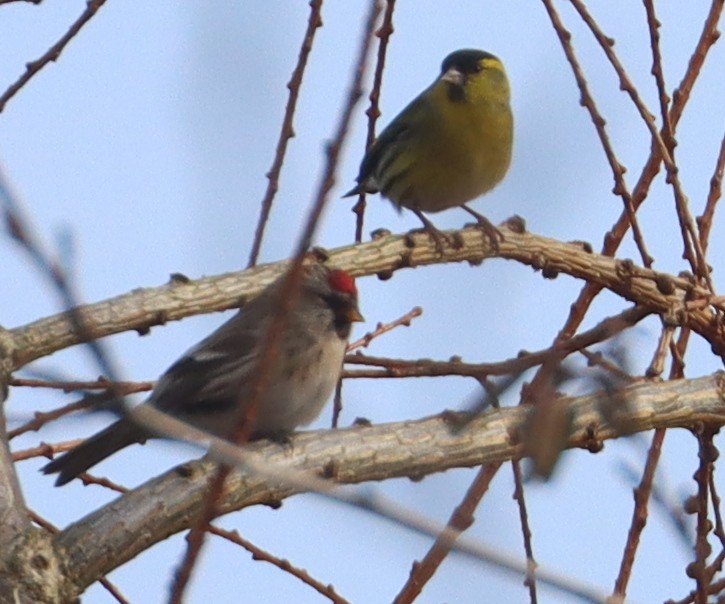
(379, 152)
(386, 147)
(209, 378)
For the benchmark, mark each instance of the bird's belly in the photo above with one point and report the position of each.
(292, 403)
(452, 171)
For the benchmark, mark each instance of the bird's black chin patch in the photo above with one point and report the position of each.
(456, 93)
(343, 327)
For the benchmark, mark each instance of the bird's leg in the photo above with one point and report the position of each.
(487, 227)
(437, 236)
(282, 437)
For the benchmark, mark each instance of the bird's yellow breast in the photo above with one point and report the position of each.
(462, 146)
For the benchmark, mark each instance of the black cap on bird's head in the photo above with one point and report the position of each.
(466, 61)
(458, 65)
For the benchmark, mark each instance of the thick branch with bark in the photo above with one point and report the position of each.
(416, 448)
(170, 503)
(143, 308)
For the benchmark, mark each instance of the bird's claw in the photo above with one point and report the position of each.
(440, 239)
(489, 229)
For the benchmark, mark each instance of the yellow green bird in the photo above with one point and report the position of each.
(452, 143)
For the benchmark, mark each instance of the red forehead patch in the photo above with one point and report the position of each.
(342, 282)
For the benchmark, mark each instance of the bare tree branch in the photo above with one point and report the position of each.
(33, 67)
(413, 448)
(142, 308)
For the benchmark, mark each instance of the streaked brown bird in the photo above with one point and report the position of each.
(210, 384)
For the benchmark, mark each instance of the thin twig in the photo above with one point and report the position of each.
(382, 328)
(653, 26)
(106, 483)
(698, 568)
(713, 588)
(398, 368)
(408, 518)
(72, 386)
(52, 54)
(460, 520)
(364, 342)
(373, 111)
(259, 554)
(41, 418)
(639, 514)
(530, 580)
(704, 222)
(195, 538)
(287, 130)
(46, 450)
(645, 489)
(657, 365)
(597, 359)
(719, 530)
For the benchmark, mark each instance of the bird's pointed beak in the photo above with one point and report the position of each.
(354, 316)
(454, 76)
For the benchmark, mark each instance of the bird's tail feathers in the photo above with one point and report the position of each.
(356, 190)
(92, 451)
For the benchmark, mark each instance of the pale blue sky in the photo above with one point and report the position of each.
(148, 141)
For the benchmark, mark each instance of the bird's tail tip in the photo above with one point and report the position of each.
(356, 190)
